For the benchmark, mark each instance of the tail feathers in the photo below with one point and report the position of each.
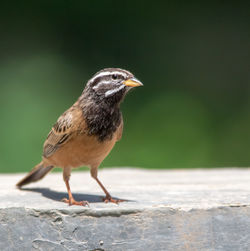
(37, 173)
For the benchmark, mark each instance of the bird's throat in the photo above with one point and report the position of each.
(102, 119)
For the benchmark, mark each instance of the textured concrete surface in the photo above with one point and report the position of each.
(202, 209)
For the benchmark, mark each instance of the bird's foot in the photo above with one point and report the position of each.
(110, 199)
(74, 202)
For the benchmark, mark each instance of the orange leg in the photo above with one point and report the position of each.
(71, 200)
(108, 197)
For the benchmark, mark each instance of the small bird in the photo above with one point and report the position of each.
(85, 133)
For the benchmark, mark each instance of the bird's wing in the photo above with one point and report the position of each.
(120, 130)
(61, 132)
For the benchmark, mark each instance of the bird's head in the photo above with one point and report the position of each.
(111, 84)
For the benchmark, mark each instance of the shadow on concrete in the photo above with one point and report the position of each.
(58, 196)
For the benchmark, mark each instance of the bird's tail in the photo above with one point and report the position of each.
(37, 173)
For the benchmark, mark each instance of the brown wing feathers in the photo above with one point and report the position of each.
(60, 133)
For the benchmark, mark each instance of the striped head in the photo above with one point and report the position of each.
(111, 84)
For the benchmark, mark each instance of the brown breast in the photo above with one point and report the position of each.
(82, 150)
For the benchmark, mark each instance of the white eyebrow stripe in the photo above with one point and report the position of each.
(110, 92)
(106, 73)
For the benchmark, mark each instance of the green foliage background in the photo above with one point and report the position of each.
(192, 56)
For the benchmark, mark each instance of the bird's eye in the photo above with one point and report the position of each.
(114, 76)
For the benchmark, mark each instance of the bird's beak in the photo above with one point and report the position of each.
(132, 82)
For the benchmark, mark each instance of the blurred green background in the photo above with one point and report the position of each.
(193, 58)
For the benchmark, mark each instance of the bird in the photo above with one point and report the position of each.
(86, 133)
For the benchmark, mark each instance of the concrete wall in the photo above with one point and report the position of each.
(166, 210)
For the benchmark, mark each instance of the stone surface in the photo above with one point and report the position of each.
(201, 209)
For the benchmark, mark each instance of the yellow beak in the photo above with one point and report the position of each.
(132, 82)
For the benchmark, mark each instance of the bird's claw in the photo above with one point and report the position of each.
(108, 199)
(74, 202)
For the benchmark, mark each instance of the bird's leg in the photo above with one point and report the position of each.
(71, 200)
(108, 197)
